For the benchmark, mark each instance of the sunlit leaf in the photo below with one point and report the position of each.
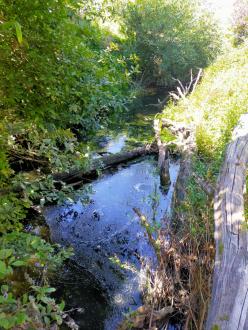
(18, 32)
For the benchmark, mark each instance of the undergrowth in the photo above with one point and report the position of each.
(63, 77)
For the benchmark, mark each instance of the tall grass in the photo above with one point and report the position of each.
(216, 104)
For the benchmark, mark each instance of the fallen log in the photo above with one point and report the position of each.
(103, 163)
(229, 305)
(186, 147)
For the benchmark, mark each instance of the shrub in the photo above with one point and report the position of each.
(25, 262)
(62, 76)
(171, 37)
(56, 66)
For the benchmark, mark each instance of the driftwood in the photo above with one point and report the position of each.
(182, 91)
(160, 103)
(78, 177)
(186, 147)
(229, 305)
(82, 176)
(163, 157)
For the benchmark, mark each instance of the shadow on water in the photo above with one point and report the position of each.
(84, 296)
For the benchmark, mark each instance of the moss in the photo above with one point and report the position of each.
(167, 136)
(215, 327)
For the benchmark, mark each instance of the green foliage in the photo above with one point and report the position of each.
(12, 211)
(22, 249)
(25, 262)
(63, 76)
(34, 311)
(60, 72)
(216, 105)
(195, 209)
(167, 136)
(87, 77)
(171, 37)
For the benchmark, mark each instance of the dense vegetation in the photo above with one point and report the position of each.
(60, 73)
(171, 38)
(64, 75)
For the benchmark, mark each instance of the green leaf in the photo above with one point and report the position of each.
(4, 323)
(18, 32)
(5, 253)
(20, 318)
(59, 319)
(18, 263)
(3, 269)
(4, 289)
(62, 305)
(46, 320)
(45, 300)
(49, 290)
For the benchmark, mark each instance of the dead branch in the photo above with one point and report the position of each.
(160, 104)
(103, 163)
(183, 91)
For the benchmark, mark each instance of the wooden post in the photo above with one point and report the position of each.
(229, 306)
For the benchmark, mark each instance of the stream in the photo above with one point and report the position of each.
(106, 275)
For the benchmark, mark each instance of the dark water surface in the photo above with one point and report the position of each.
(106, 276)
